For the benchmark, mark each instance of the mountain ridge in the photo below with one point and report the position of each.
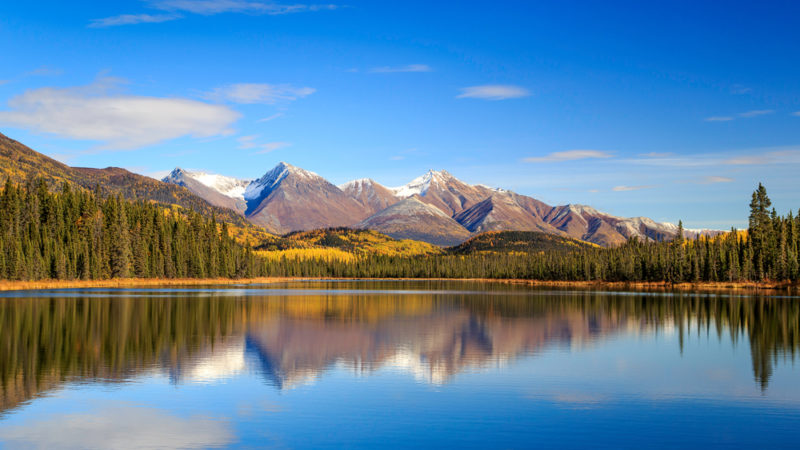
(287, 198)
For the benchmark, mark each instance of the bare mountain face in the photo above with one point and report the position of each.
(288, 198)
(372, 196)
(436, 207)
(413, 219)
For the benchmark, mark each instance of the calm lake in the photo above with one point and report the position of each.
(405, 364)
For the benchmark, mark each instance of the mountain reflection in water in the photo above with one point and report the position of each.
(47, 339)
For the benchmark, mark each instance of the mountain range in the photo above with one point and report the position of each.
(435, 207)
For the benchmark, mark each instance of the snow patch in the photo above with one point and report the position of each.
(420, 185)
(228, 186)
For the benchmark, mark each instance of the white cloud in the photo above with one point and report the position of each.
(271, 147)
(656, 155)
(716, 179)
(631, 188)
(210, 7)
(494, 92)
(114, 427)
(246, 142)
(744, 115)
(570, 155)
(401, 69)
(269, 118)
(746, 160)
(119, 121)
(250, 93)
(132, 19)
(755, 156)
(797, 113)
(206, 8)
(756, 113)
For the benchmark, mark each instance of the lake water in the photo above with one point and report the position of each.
(403, 364)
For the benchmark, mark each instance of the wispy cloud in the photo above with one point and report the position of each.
(756, 113)
(206, 8)
(210, 7)
(738, 89)
(656, 155)
(246, 142)
(631, 188)
(744, 115)
(494, 92)
(797, 113)
(756, 156)
(251, 93)
(570, 155)
(119, 121)
(402, 69)
(269, 118)
(717, 179)
(746, 160)
(132, 19)
(271, 147)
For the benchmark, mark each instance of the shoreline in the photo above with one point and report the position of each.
(749, 286)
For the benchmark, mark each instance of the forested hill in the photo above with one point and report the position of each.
(73, 234)
(19, 163)
(518, 242)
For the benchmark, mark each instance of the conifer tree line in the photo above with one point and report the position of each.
(76, 234)
(767, 251)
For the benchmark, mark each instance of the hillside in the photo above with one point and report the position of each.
(498, 242)
(357, 242)
(20, 163)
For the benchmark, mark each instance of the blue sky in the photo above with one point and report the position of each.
(672, 110)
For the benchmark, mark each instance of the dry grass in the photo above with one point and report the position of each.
(743, 287)
(6, 285)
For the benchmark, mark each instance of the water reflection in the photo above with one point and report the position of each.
(290, 340)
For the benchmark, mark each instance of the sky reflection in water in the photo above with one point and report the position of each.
(396, 363)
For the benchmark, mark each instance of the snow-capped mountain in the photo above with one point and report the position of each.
(436, 207)
(218, 190)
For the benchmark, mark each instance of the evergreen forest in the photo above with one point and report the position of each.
(73, 233)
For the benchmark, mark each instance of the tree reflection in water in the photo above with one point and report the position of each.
(112, 336)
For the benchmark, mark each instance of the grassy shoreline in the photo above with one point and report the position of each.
(786, 287)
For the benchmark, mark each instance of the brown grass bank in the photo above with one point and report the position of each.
(742, 287)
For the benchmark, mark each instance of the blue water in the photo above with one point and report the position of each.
(396, 364)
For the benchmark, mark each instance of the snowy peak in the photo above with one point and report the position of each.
(420, 185)
(356, 187)
(227, 186)
(270, 180)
